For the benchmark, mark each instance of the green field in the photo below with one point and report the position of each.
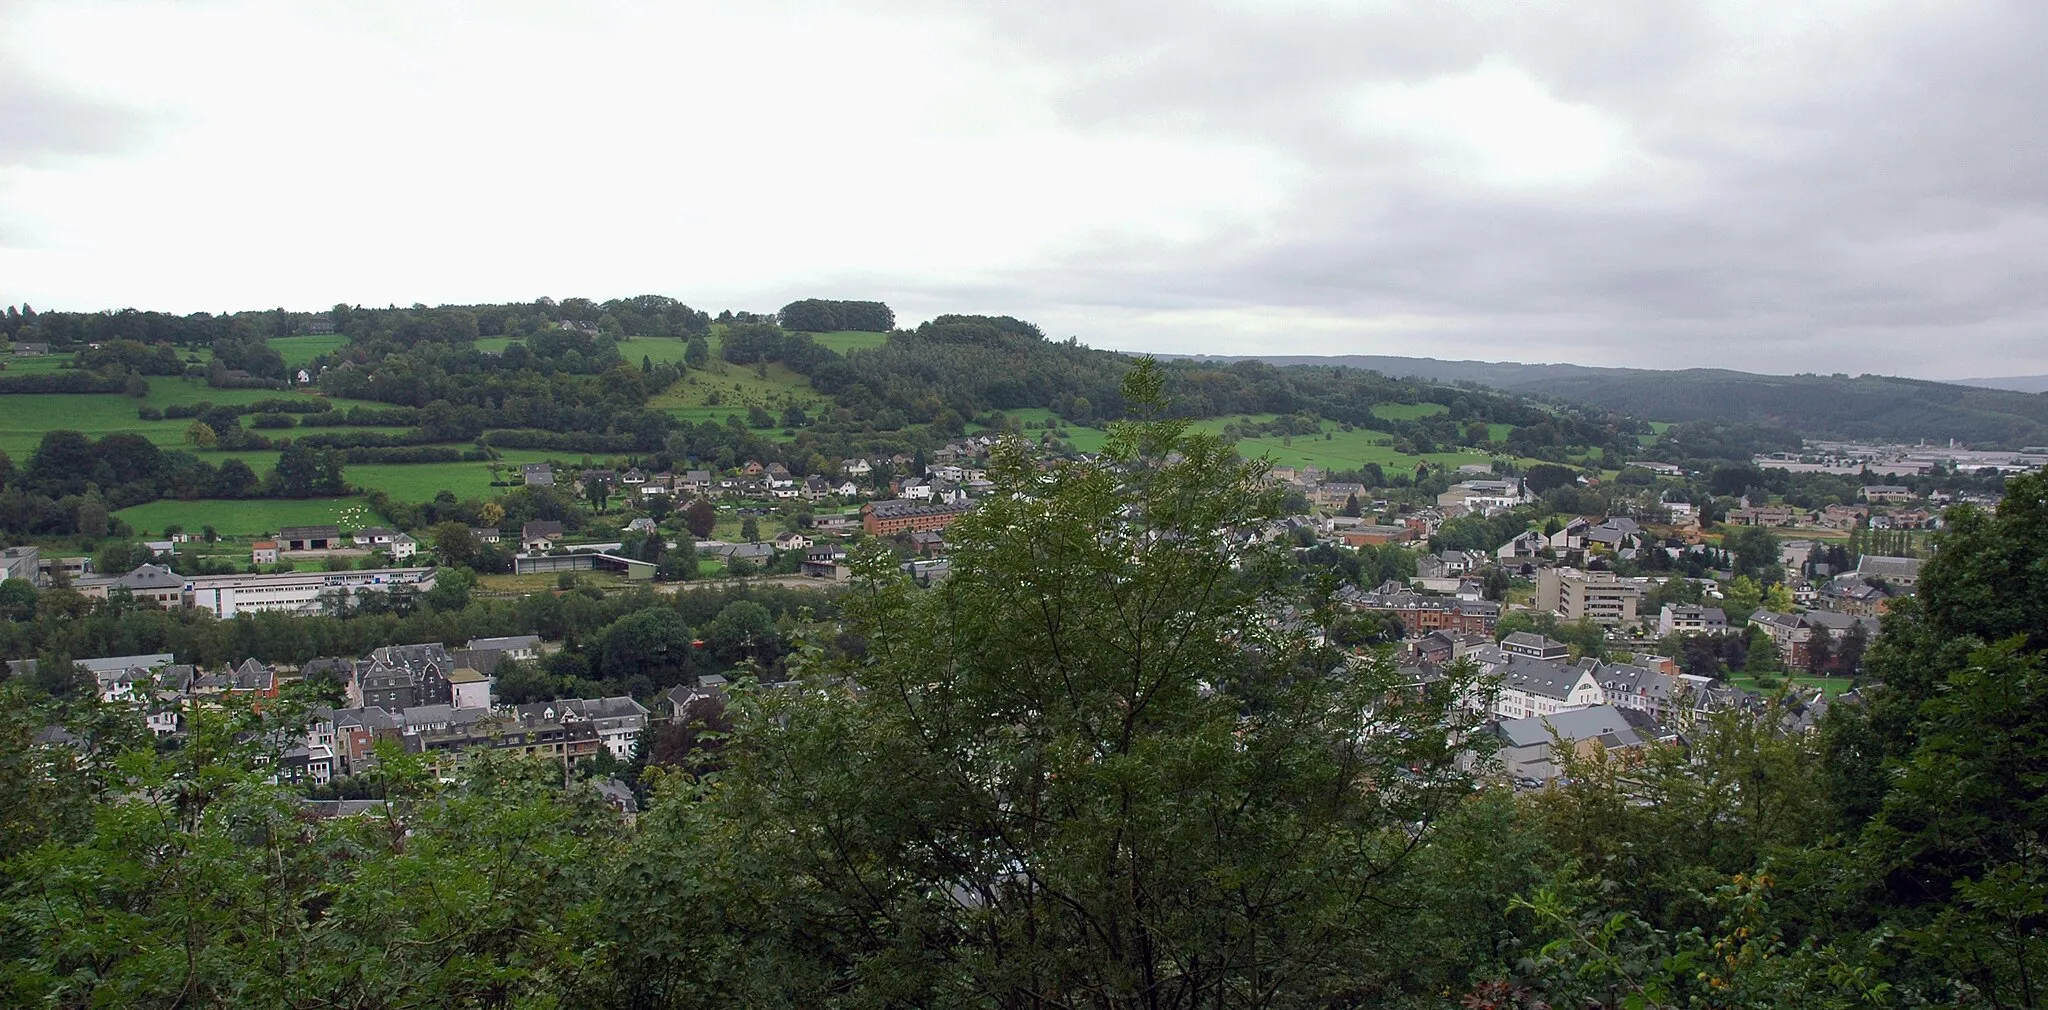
(247, 518)
(1407, 411)
(418, 482)
(1832, 685)
(301, 349)
(41, 364)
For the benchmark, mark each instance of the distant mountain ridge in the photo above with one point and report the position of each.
(2016, 383)
(1823, 406)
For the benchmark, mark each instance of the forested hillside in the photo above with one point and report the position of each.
(650, 375)
(1818, 406)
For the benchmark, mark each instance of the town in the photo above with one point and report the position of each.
(1610, 629)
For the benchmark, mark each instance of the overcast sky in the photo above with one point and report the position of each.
(1772, 186)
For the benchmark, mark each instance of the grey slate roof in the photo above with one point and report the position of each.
(1600, 722)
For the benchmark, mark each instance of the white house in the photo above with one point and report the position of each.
(469, 688)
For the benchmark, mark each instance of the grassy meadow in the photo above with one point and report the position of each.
(1407, 411)
(299, 350)
(246, 518)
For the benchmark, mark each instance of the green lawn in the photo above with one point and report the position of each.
(1832, 685)
(418, 482)
(41, 364)
(1407, 411)
(247, 518)
(303, 348)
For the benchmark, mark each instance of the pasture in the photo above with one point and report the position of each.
(246, 518)
(1407, 411)
(25, 416)
(299, 350)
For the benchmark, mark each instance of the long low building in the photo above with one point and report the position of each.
(884, 518)
(228, 595)
(295, 592)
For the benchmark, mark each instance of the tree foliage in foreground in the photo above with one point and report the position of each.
(1086, 770)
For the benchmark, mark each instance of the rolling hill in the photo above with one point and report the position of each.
(1819, 406)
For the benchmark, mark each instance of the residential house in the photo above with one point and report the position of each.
(263, 552)
(1420, 614)
(1885, 493)
(1690, 619)
(1523, 547)
(1841, 517)
(1446, 564)
(688, 704)
(539, 536)
(1851, 594)
(537, 474)
(469, 688)
(251, 677)
(1765, 515)
(1533, 646)
(1335, 494)
(403, 546)
(618, 721)
(487, 534)
(1786, 631)
(152, 683)
(792, 541)
(1571, 536)
(445, 749)
(374, 536)
(1618, 534)
(399, 677)
(1534, 687)
(1527, 745)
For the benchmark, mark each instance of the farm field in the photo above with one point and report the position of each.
(25, 416)
(246, 518)
(303, 348)
(41, 364)
(1407, 411)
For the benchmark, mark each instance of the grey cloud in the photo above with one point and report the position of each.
(1854, 196)
(40, 122)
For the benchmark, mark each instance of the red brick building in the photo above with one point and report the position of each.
(886, 518)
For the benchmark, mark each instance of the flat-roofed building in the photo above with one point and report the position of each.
(1577, 595)
(295, 592)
